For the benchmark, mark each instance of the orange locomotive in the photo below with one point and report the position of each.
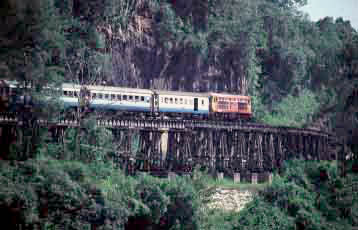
(232, 106)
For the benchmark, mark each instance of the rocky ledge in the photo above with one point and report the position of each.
(230, 199)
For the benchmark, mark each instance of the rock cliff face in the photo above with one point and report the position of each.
(147, 59)
(230, 199)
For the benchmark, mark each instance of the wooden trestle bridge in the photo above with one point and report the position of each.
(233, 148)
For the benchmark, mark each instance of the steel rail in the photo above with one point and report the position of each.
(175, 124)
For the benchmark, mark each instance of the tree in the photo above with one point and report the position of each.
(31, 48)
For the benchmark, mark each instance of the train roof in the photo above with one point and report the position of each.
(70, 86)
(8, 83)
(107, 88)
(114, 89)
(180, 93)
(119, 89)
(227, 95)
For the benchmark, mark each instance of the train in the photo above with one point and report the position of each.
(160, 102)
(150, 102)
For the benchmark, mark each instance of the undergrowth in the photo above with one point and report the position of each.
(307, 195)
(46, 193)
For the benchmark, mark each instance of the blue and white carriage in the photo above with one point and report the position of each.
(182, 102)
(132, 100)
(109, 98)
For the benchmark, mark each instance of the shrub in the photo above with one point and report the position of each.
(261, 215)
(56, 194)
(313, 194)
(165, 204)
(287, 113)
(184, 203)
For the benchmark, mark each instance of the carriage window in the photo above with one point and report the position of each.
(130, 98)
(94, 95)
(113, 97)
(166, 100)
(75, 94)
(136, 98)
(147, 99)
(242, 105)
(171, 100)
(181, 101)
(202, 102)
(142, 98)
(15, 91)
(64, 92)
(5, 90)
(124, 97)
(118, 97)
(176, 100)
(106, 96)
(100, 96)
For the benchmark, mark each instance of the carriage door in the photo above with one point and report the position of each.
(155, 103)
(196, 104)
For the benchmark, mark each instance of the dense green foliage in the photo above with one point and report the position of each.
(267, 46)
(293, 111)
(308, 195)
(267, 49)
(296, 71)
(58, 194)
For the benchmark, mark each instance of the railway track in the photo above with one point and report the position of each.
(175, 124)
(178, 145)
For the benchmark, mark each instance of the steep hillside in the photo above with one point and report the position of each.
(182, 45)
(307, 195)
(263, 48)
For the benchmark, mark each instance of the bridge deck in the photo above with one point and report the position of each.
(179, 145)
(175, 124)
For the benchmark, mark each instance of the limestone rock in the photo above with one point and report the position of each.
(230, 199)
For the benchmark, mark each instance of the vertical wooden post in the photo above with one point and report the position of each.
(237, 178)
(254, 178)
(219, 175)
(270, 177)
(171, 175)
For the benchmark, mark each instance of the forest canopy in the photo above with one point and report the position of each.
(297, 72)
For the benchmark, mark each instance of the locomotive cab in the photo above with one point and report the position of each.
(232, 107)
